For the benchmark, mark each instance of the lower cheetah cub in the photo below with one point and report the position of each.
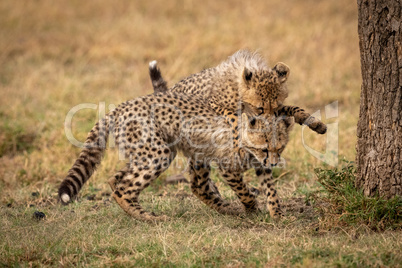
(150, 130)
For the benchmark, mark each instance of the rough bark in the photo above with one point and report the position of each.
(379, 131)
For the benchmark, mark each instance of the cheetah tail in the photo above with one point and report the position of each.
(86, 162)
(157, 80)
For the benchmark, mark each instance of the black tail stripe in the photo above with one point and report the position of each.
(77, 181)
(91, 137)
(68, 183)
(88, 167)
(92, 166)
(80, 162)
(64, 189)
(79, 172)
(93, 154)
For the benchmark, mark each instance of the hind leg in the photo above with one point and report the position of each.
(116, 178)
(266, 186)
(128, 183)
(127, 194)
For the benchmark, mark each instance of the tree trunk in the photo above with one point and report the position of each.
(379, 130)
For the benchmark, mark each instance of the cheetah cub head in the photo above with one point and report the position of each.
(265, 137)
(264, 88)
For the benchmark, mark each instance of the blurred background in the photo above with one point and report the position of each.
(55, 55)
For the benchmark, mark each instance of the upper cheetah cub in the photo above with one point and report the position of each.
(243, 78)
(300, 115)
(149, 131)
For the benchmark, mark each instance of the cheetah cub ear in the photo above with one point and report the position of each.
(282, 70)
(247, 75)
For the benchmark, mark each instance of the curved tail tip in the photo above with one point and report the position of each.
(153, 64)
(65, 198)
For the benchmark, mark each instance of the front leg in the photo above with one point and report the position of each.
(245, 194)
(266, 186)
(302, 118)
(205, 189)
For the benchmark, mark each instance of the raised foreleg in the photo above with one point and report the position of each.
(302, 118)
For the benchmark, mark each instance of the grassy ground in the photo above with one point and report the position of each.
(55, 55)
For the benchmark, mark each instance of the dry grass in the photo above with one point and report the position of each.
(97, 233)
(57, 54)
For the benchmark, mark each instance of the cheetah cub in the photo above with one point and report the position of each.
(150, 130)
(205, 87)
(244, 78)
